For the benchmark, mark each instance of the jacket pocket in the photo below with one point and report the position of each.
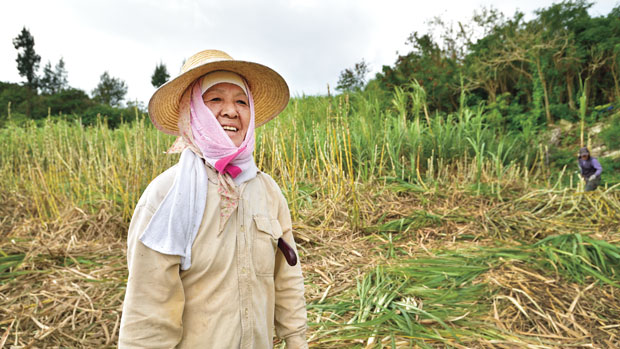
(266, 236)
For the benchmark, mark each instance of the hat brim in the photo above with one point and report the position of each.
(269, 91)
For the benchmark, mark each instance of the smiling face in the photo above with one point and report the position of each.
(231, 108)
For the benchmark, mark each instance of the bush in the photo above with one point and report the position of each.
(23, 101)
(69, 101)
(17, 119)
(12, 93)
(107, 114)
(562, 111)
(561, 157)
(611, 171)
(611, 134)
(499, 113)
(37, 107)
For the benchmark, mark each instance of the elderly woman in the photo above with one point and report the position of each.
(211, 255)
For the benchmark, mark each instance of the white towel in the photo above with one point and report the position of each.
(174, 225)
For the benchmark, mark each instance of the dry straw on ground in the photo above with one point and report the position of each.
(68, 290)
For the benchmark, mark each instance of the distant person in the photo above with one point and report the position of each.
(590, 169)
(211, 255)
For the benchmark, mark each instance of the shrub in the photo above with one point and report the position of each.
(611, 171)
(69, 101)
(561, 157)
(107, 114)
(562, 111)
(611, 134)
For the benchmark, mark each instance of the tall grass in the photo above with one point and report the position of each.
(319, 148)
(63, 163)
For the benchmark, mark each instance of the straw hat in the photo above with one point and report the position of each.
(268, 88)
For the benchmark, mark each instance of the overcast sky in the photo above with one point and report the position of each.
(309, 42)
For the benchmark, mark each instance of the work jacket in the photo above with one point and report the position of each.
(590, 167)
(239, 288)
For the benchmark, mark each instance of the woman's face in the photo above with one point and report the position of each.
(231, 108)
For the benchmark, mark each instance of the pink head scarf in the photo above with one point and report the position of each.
(201, 132)
(212, 140)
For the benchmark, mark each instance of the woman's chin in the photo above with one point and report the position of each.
(235, 137)
(236, 140)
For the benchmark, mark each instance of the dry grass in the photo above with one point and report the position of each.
(68, 290)
(554, 312)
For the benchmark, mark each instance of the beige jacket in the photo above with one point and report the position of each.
(239, 287)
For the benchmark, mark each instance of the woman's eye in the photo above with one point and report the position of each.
(213, 99)
(242, 102)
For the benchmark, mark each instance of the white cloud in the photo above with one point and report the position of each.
(308, 41)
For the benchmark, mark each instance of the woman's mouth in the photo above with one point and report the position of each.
(230, 128)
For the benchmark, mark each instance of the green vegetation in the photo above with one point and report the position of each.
(541, 66)
(27, 60)
(110, 90)
(23, 107)
(611, 134)
(346, 146)
(160, 75)
(444, 298)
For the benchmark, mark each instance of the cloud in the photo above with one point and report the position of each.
(309, 42)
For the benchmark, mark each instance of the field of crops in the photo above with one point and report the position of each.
(413, 230)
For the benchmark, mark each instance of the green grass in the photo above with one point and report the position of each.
(445, 298)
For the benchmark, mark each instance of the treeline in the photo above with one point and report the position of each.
(48, 94)
(523, 71)
(22, 104)
(560, 64)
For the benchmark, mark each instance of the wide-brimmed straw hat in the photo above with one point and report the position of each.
(268, 88)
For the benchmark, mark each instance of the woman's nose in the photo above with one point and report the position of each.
(229, 110)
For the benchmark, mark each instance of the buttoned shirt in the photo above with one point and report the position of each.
(239, 290)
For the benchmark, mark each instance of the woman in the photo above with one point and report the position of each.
(590, 169)
(211, 254)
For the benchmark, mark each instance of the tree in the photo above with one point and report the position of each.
(53, 81)
(27, 60)
(353, 79)
(45, 82)
(523, 68)
(61, 75)
(431, 67)
(110, 90)
(160, 76)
